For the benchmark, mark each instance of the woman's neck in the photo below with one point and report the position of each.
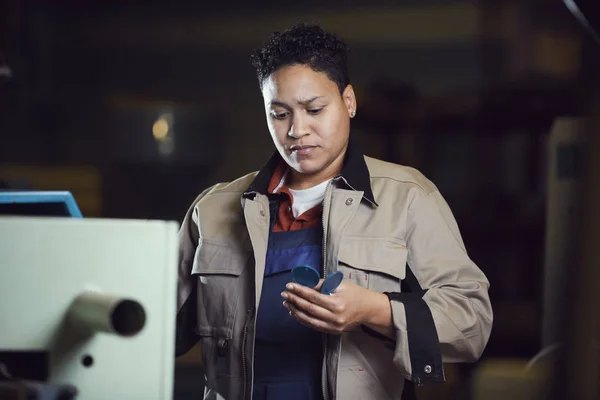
(299, 181)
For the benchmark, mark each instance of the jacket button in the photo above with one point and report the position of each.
(428, 369)
(222, 346)
(349, 201)
(262, 213)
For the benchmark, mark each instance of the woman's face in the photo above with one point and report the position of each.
(309, 122)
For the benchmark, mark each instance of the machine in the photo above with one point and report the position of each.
(87, 306)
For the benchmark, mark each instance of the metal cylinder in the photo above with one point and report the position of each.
(99, 312)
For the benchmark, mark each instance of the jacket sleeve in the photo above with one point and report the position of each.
(186, 337)
(450, 318)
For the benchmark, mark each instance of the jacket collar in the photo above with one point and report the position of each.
(355, 174)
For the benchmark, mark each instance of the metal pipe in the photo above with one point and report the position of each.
(99, 312)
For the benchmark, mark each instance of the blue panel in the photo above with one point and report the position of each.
(49, 203)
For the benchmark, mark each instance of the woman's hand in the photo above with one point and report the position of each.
(350, 305)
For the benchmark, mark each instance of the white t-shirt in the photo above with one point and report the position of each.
(306, 199)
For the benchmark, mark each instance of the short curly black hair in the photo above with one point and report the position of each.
(304, 44)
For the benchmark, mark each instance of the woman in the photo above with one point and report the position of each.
(411, 297)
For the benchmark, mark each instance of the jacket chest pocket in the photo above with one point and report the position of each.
(219, 270)
(373, 263)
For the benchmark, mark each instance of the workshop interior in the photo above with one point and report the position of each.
(115, 115)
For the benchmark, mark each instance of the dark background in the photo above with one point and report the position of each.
(465, 91)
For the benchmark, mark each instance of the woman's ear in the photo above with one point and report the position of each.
(350, 100)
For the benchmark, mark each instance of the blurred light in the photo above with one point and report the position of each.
(166, 146)
(160, 129)
(5, 70)
(576, 11)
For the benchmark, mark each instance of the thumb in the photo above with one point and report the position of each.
(318, 287)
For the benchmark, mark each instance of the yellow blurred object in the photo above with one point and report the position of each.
(192, 357)
(160, 129)
(501, 379)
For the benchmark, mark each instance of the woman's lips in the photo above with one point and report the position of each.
(302, 150)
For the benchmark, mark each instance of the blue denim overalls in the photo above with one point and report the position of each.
(288, 356)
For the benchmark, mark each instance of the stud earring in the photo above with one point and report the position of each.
(352, 114)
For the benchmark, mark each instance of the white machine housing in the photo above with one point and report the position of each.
(46, 263)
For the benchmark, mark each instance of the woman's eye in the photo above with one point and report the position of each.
(314, 111)
(277, 115)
